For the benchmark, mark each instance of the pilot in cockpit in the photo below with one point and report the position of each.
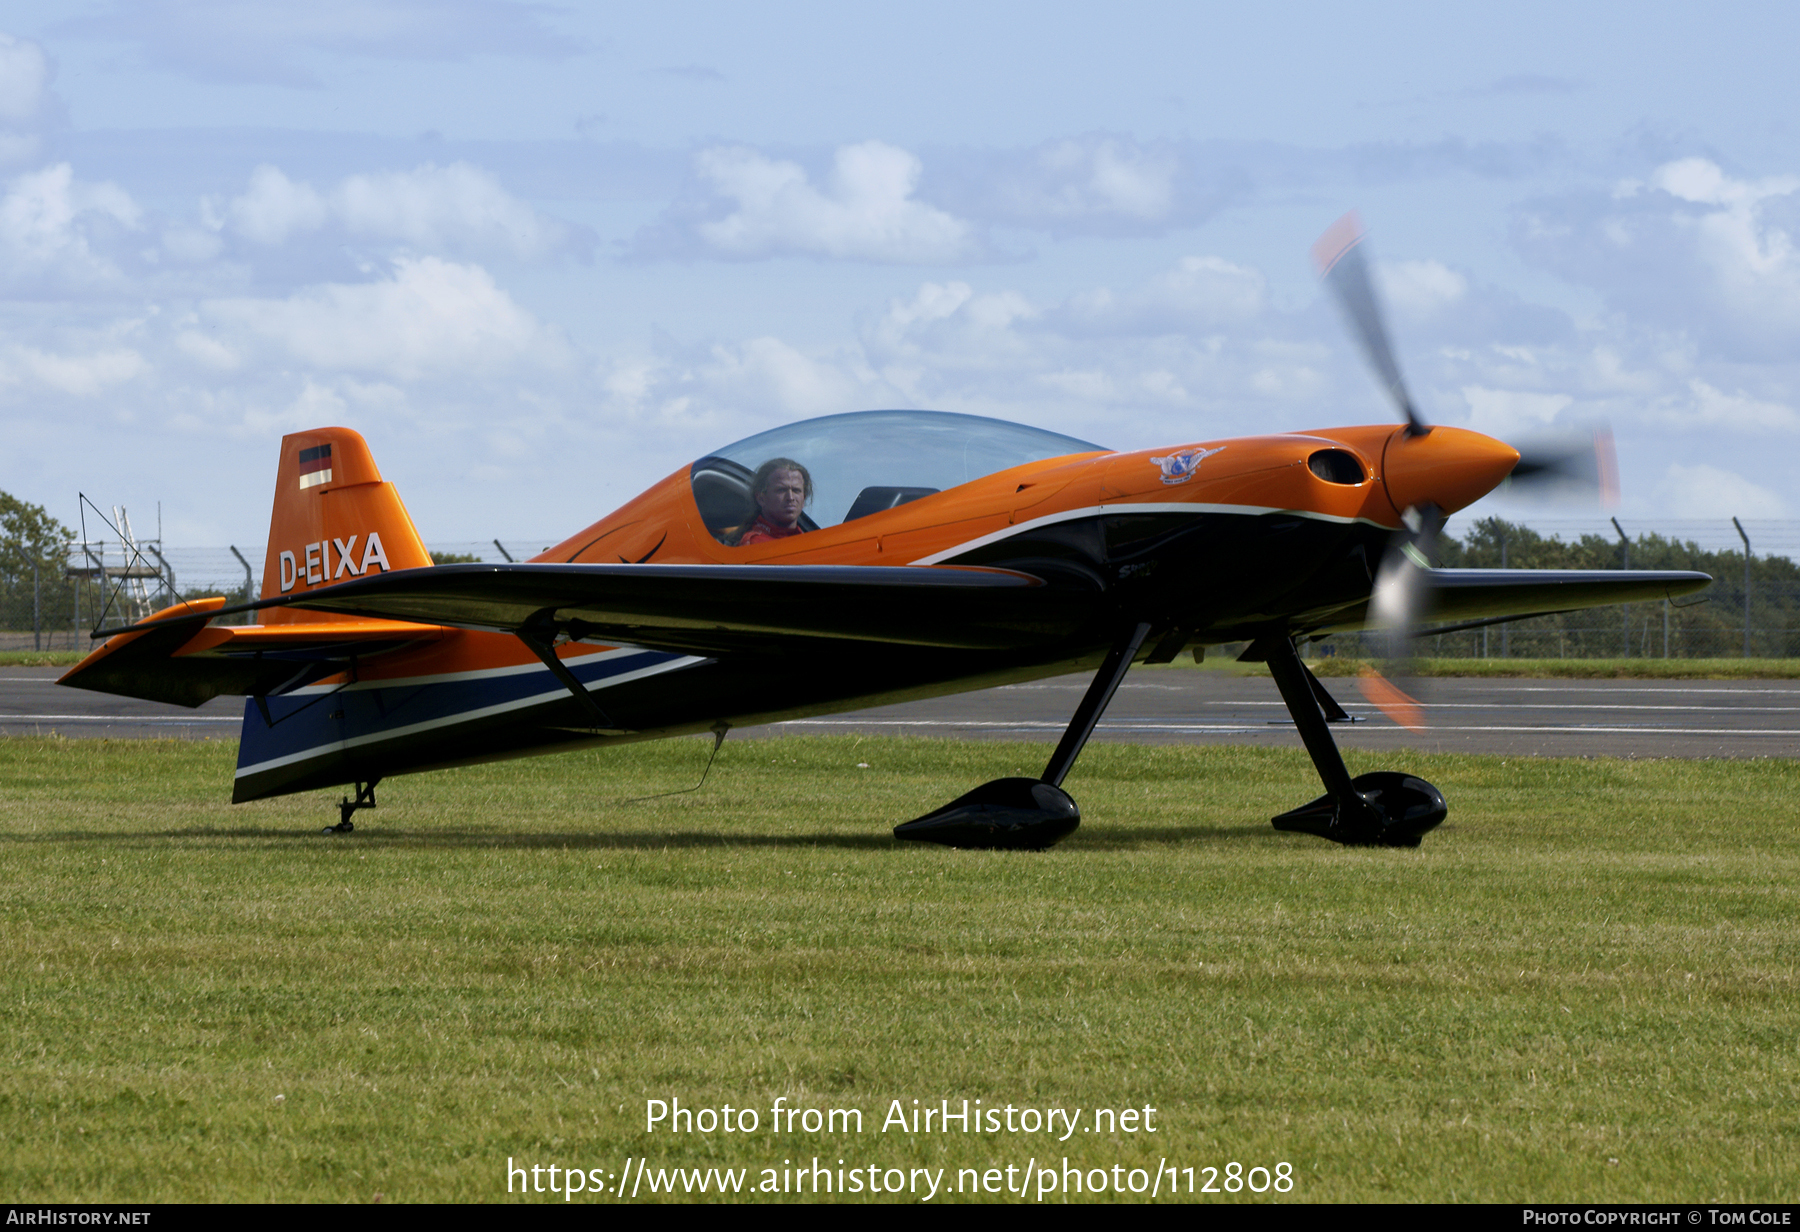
(781, 489)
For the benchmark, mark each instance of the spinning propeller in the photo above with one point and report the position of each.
(1339, 256)
(1428, 469)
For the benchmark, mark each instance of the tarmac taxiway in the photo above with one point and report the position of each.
(1566, 718)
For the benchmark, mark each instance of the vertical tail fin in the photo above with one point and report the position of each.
(334, 519)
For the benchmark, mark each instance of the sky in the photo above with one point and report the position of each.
(541, 256)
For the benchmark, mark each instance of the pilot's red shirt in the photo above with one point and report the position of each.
(762, 530)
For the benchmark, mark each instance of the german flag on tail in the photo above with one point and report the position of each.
(315, 466)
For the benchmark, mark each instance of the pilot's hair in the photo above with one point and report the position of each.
(780, 464)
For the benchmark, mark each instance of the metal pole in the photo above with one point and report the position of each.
(37, 620)
(249, 582)
(99, 564)
(168, 581)
(1625, 563)
(1746, 539)
(1506, 629)
(504, 552)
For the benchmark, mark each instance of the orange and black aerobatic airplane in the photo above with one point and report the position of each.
(941, 553)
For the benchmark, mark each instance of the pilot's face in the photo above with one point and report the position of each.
(782, 498)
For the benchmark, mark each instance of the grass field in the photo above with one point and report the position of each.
(1582, 988)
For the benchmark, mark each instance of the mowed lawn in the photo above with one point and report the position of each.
(1583, 987)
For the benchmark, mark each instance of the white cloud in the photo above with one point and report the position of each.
(456, 209)
(17, 148)
(267, 40)
(769, 372)
(1701, 180)
(1751, 263)
(933, 302)
(949, 318)
(432, 317)
(262, 409)
(1702, 491)
(952, 326)
(1196, 347)
(1194, 350)
(1086, 177)
(47, 220)
(1179, 308)
(1607, 371)
(1694, 249)
(1195, 295)
(950, 344)
(316, 404)
(81, 375)
(191, 245)
(865, 211)
(206, 350)
(1420, 288)
(28, 108)
(692, 390)
(275, 207)
(1505, 413)
(1095, 184)
(1739, 412)
(24, 79)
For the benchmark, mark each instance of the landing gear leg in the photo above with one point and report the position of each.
(1382, 809)
(365, 798)
(1030, 814)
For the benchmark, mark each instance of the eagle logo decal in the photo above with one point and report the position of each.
(1181, 467)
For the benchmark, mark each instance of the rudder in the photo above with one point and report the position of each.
(334, 519)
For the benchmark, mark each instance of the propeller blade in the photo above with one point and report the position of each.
(1390, 699)
(1401, 597)
(1580, 464)
(1398, 604)
(1338, 254)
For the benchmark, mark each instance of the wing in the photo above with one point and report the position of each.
(1482, 596)
(710, 609)
(707, 609)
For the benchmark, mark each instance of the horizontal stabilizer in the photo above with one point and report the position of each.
(176, 657)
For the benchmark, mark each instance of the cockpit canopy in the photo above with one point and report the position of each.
(868, 461)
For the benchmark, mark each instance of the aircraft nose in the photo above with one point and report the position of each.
(1448, 467)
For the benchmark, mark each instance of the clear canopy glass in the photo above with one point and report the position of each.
(867, 461)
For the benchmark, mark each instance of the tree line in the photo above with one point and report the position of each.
(1706, 625)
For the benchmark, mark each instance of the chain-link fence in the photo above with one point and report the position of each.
(51, 602)
(1635, 631)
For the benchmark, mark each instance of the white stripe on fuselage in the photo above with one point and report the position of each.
(537, 699)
